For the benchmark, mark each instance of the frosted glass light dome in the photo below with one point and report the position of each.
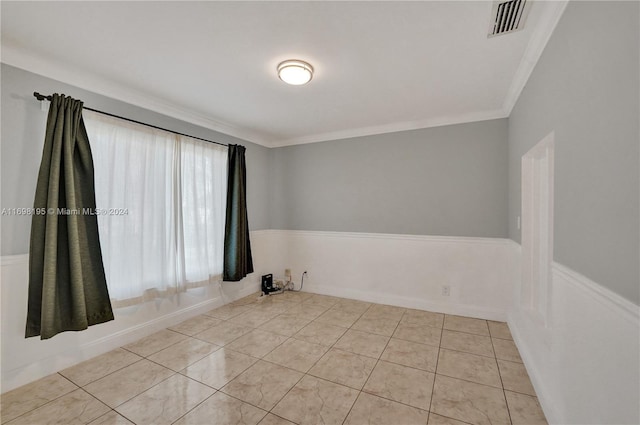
(295, 72)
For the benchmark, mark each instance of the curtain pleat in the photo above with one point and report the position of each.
(172, 189)
(237, 248)
(67, 285)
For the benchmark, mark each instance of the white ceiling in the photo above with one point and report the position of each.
(380, 66)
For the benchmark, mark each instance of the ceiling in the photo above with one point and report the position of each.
(379, 66)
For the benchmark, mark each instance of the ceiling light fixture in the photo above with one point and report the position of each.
(295, 72)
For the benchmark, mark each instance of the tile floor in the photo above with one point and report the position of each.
(295, 358)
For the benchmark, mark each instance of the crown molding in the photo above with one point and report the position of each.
(14, 56)
(549, 19)
(542, 32)
(393, 128)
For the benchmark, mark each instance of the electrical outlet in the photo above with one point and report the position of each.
(287, 273)
(446, 290)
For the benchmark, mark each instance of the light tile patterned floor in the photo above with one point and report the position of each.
(295, 358)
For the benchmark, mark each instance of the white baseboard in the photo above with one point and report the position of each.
(134, 333)
(73, 355)
(403, 270)
(583, 360)
(410, 302)
(26, 360)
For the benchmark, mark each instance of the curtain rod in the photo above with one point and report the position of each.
(43, 97)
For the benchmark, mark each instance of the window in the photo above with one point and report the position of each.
(161, 199)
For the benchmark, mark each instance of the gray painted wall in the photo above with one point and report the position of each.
(23, 125)
(449, 180)
(585, 88)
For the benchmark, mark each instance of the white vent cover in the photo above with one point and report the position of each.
(507, 16)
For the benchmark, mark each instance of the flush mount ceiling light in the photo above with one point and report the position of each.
(295, 72)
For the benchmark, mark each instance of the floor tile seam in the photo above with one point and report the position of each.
(195, 361)
(290, 368)
(449, 417)
(325, 353)
(338, 383)
(276, 333)
(226, 347)
(281, 417)
(380, 317)
(409, 367)
(514, 362)
(378, 359)
(110, 373)
(351, 407)
(421, 324)
(383, 317)
(102, 402)
(233, 397)
(203, 330)
(468, 352)
(229, 342)
(360, 354)
(503, 339)
(506, 390)
(394, 400)
(364, 332)
(190, 336)
(77, 387)
(111, 409)
(264, 359)
(507, 360)
(276, 364)
(465, 332)
(266, 354)
(211, 386)
(227, 318)
(332, 324)
(157, 351)
(504, 394)
(414, 341)
(123, 415)
(141, 392)
(468, 380)
(286, 393)
(258, 407)
(222, 390)
(433, 387)
(190, 410)
(182, 373)
(218, 347)
(519, 392)
(266, 412)
(375, 333)
(288, 337)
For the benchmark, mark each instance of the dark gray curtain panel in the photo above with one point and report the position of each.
(237, 247)
(67, 285)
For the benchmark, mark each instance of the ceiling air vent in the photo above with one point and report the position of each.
(507, 16)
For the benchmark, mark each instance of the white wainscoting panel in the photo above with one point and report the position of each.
(402, 270)
(585, 361)
(26, 360)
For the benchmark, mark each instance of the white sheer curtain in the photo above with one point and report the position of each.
(204, 195)
(161, 199)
